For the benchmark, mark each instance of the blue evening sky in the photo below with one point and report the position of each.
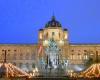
(20, 20)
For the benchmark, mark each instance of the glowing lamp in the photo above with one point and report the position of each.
(40, 36)
(66, 36)
(61, 42)
(45, 42)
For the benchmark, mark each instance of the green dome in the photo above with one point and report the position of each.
(53, 23)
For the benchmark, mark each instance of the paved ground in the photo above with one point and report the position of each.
(53, 78)
(50, 78)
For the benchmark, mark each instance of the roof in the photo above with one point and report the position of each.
(53, 23)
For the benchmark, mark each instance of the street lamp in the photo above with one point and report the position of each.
(5, 53)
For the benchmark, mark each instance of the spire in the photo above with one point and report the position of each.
(53, 17)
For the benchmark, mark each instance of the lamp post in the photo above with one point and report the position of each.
(5, 53)
(97, 57)
(5, 60)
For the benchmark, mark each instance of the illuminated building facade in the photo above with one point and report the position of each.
(26, 55)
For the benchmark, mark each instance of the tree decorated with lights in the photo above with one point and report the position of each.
(54, 62)
(53, 54)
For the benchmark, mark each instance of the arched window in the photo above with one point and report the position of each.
(85, 56)
(72, 56)
(79, 56)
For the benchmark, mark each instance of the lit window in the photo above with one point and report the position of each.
(66, 36)
(45, 42)
(72, 56)
(40, 36)
(61, 42)
(79, 56)
(85, 56)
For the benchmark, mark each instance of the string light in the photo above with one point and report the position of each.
(12, 71)
(92, 71)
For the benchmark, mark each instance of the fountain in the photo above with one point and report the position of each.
(52, 64)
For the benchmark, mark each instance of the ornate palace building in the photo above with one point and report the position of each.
(52, 39)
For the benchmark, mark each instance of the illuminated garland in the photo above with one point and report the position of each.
(92, 71)
(12, 71)
(35, 72)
